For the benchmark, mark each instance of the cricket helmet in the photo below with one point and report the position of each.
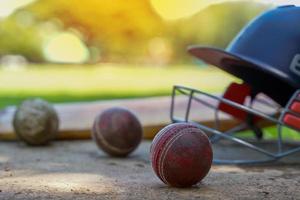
(265, 55)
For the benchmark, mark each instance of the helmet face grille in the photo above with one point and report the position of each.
(266, 56)
(247, 113)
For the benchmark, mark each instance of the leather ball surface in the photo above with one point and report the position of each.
(181, 155)
(117, 131)
(36, 122)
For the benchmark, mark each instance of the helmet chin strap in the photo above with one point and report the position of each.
(238, 93)
(250, 119)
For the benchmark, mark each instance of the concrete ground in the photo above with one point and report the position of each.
(78, 170)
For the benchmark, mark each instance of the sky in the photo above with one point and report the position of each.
(168, 9)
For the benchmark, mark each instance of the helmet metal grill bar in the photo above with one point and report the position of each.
(217, 135)
(240, 127)
(220, 99)
(287, 109)
(279, 126)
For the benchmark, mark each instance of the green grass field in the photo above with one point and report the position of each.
(61, 83)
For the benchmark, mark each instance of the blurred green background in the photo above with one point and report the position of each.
(70, 50)
(133, 31)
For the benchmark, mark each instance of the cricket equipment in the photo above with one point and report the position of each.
(181, 155)
(117, 131)
(266, 56)
(36, 122)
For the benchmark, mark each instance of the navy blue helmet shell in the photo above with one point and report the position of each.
(265, 54)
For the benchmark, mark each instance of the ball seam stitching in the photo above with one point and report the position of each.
(168, 146)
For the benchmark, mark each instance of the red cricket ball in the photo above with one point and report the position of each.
(181, 155)
(117, 131)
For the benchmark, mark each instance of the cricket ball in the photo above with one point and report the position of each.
(35, 122)
(181, 155)
(117, 131)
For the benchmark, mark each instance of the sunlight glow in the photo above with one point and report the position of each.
(66, 48)
(176, 9)
(168, 9)
(64, 182)
(9, 6)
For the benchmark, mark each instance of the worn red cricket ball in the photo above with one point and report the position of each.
(36, 122)
(181, 155)
(117, 131)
